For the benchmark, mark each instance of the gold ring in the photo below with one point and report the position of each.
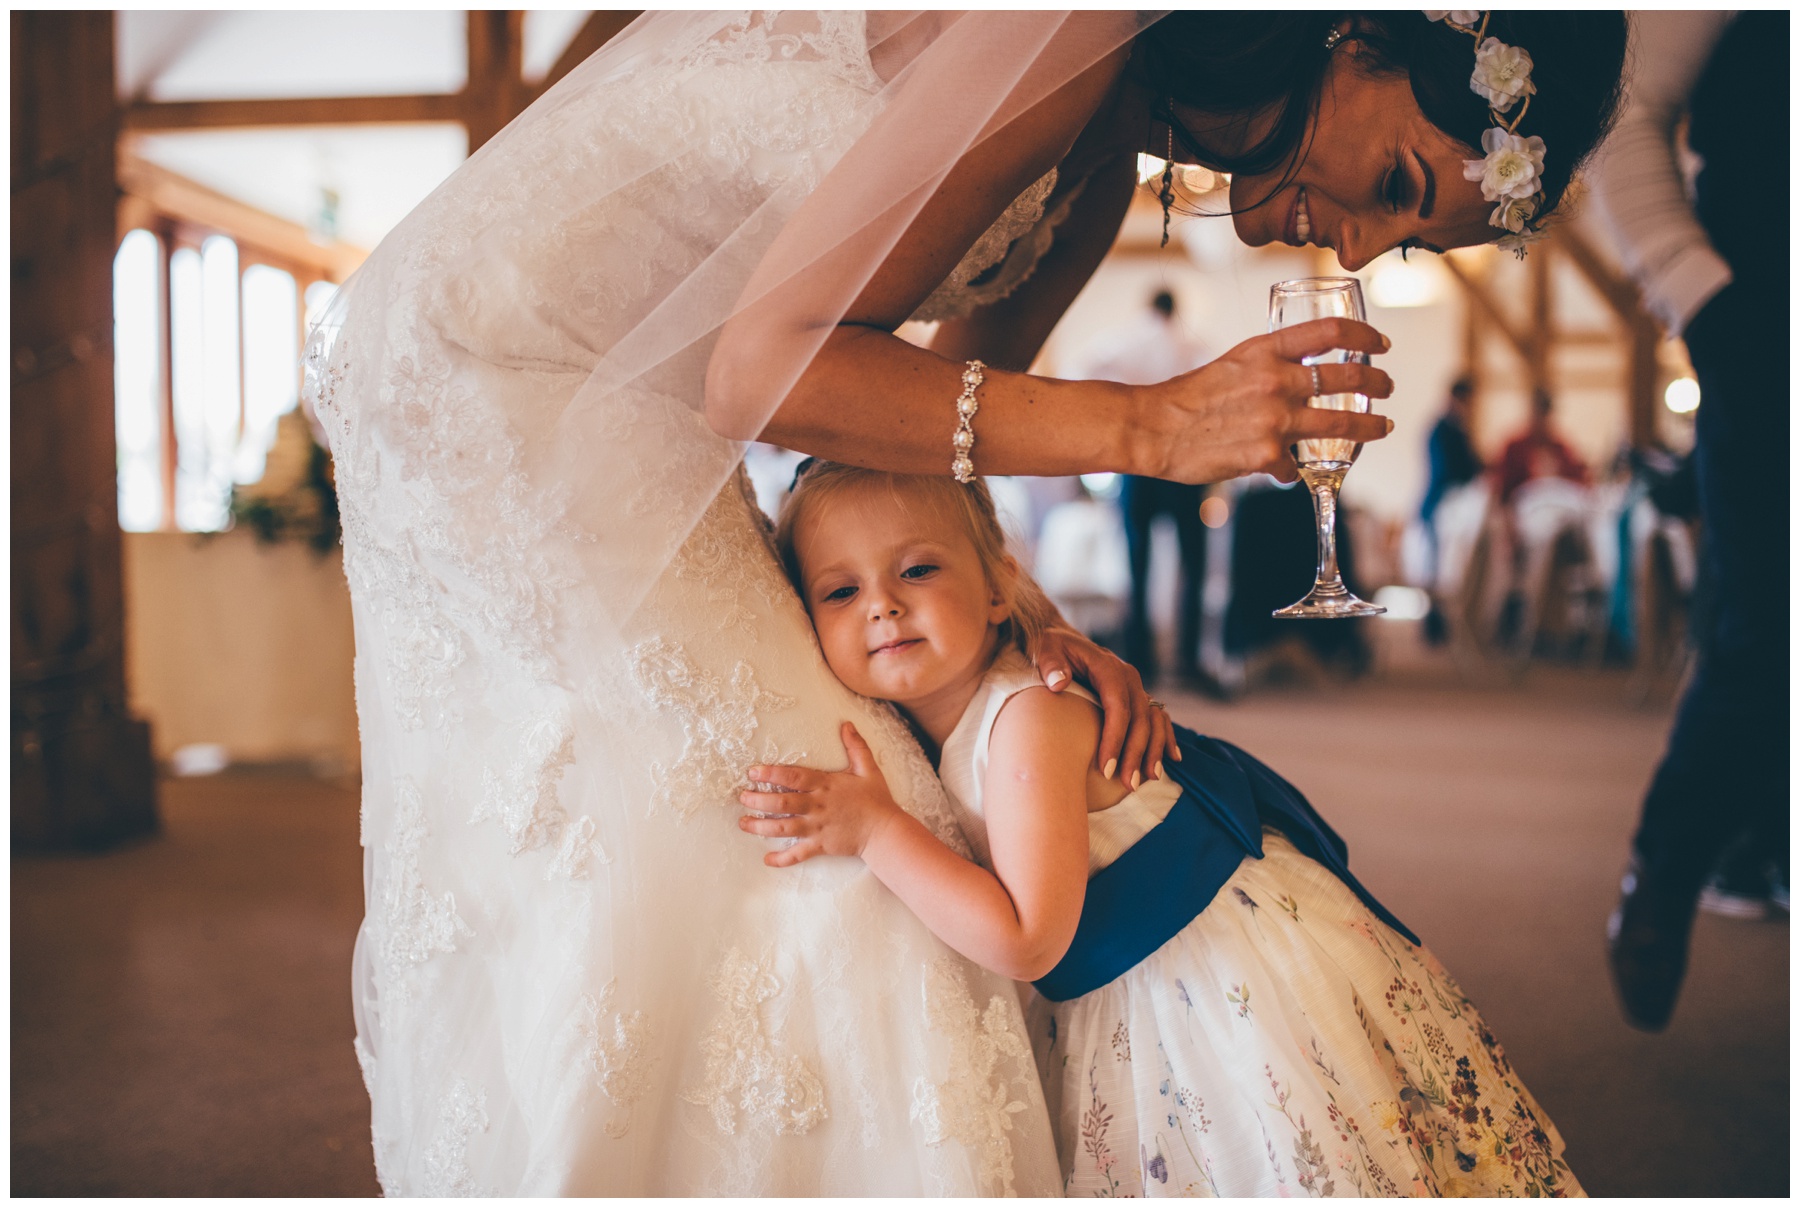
(1156, 704)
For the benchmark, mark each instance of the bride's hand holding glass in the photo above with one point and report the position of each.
(1243, 412)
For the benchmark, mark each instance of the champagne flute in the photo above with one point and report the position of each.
(1323, 462)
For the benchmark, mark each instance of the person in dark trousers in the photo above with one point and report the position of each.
(1450, 453)
(1142, 500)
(1149, 350)
(1716, 272)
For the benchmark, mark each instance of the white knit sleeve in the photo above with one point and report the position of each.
(1636, 179)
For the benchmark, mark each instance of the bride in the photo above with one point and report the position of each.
(575, 975)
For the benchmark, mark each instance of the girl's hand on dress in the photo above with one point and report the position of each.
(830, 813)
(1240, 414)
(1136, 732)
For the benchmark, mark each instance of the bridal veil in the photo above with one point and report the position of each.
(575, 974)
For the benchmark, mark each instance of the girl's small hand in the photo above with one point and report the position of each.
(1136, 732)
(830, 813)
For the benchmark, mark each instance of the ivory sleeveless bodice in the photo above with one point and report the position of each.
(963, 767)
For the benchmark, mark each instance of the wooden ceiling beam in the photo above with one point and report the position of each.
(496, 91)
(152, 189)
(152, 116)
(1619, 294)
(1479, 297)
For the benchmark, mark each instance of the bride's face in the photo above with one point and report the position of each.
(897, 594)
(1377, 175)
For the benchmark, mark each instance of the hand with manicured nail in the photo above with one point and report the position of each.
(1134, 734)
(1241, 413)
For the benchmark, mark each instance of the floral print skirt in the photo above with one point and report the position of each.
(1287, 1042)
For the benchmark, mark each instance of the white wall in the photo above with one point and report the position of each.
(246, 645)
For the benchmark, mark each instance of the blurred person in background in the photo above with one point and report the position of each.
(1537, 452)
(1453, 463)
(1154, 348)
(1713, 268)
(1080, 560)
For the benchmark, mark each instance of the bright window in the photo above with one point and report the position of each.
(271, 353)
(137, 367)
(234, 370)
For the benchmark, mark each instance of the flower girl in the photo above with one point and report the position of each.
(1221, 1008)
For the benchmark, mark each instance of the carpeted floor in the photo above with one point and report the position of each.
(181, 1009)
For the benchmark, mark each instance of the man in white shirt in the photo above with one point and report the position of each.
(1714, 269)
(1151, 349)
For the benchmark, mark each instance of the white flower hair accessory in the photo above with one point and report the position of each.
(1511, 172)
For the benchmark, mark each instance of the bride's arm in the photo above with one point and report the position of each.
(871, 399)
(1010, 332)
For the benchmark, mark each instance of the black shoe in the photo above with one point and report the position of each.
(1743, 885)
(1646, 948)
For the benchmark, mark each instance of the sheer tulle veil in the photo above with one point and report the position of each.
(516, 390)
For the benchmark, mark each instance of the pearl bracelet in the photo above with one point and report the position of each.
(962, 466)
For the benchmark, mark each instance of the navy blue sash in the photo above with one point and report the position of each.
(1140, 901)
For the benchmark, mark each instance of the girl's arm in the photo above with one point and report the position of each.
(1017, 920)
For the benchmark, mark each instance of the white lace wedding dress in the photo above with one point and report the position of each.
(575, 975)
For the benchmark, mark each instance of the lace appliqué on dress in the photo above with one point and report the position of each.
(731, 549)
(718, 719)
(463, 1114)
(418, 924)
(1008, 253)
(924, 797)
(744, 1069)
(616, 1046)
(989, 1080)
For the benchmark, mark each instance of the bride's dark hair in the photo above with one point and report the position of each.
(1247, 63)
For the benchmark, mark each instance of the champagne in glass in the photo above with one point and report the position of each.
(1323, 462)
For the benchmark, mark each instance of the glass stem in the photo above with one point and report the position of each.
(1324, 486)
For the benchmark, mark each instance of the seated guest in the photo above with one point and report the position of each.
(1537, 453)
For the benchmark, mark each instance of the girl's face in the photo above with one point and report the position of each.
(1377, 175)
(896, 590)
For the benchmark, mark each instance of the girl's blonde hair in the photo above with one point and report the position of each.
(971, 507)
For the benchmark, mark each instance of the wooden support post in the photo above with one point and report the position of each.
(82, 775)
(1477, 293)
(495, 92)
(1641, 401)
(1641, 332)
(165, 334)
(1542, 334)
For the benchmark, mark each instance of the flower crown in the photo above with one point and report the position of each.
(1512, 171)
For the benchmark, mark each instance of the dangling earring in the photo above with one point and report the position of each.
(1168, 180)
